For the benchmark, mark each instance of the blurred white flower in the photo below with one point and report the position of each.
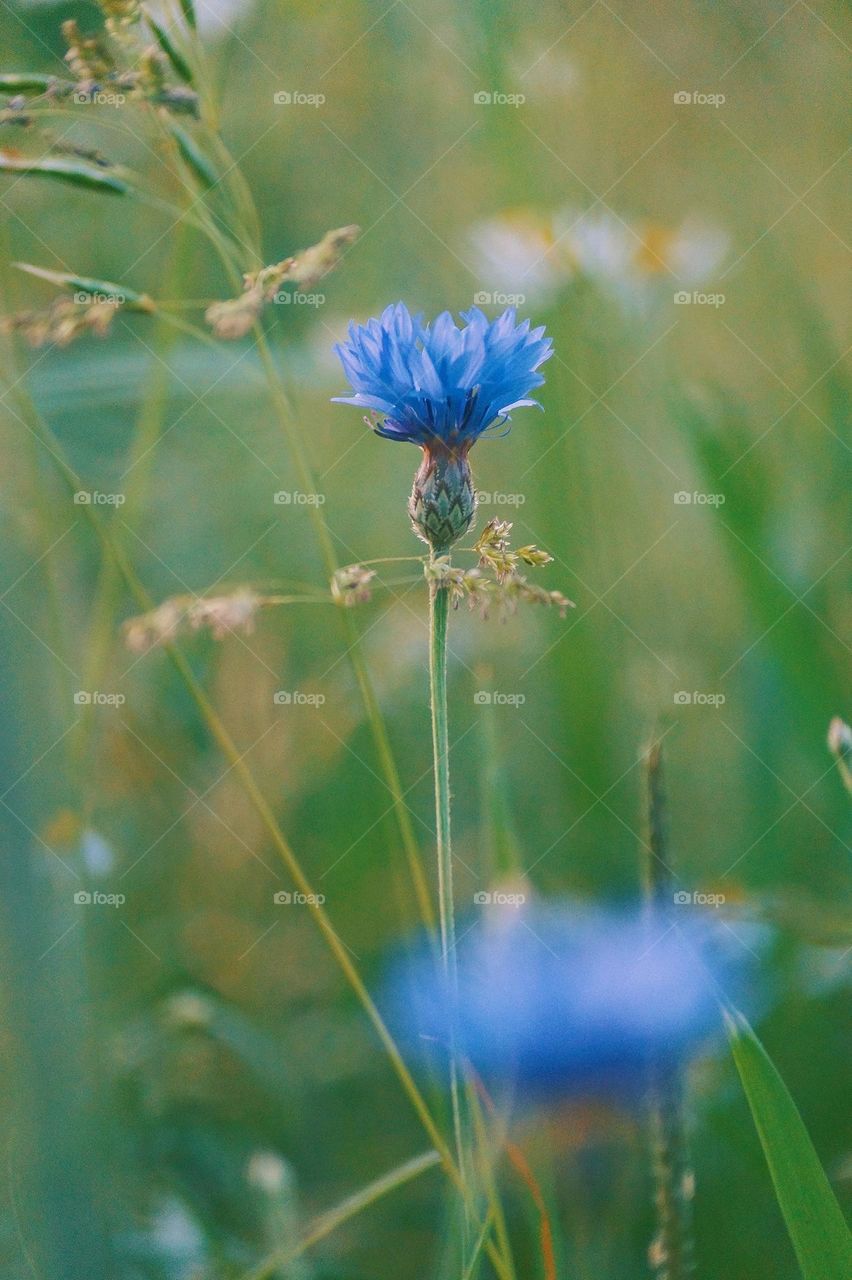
(178, 1239)
(597, 243)
(216, 18)
(515, 252)
(533, 255)
(98, 856)
(697, 250)
(267, 1172)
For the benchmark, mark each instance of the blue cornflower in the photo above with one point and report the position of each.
(567, 999)
(442, 387)
(436, 382)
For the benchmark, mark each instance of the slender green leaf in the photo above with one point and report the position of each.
(165, 42)
(86, 284)
(820, 1236)
(193, 157)
(187, 8)
(63, 169)
(21, 81)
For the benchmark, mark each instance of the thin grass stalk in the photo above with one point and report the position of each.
(329, 1221)
(490, 1147)
(672, 1251)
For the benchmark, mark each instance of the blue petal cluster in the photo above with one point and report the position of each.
(437, 383)
(567, 1000)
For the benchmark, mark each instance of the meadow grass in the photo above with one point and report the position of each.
(689, 478)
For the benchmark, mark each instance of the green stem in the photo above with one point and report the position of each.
(672, 1251)
(439, 608)
(439, 601)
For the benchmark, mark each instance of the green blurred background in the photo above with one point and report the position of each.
(153, 1048)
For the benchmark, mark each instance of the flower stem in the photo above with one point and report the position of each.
(439, 606)
(438, 621)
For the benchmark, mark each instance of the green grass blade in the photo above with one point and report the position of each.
(187, 8)
(63, 170)
(819, 1234)
(87, 284)
(177, 60)
(193, 157)
(24, 81)
(349, 1208)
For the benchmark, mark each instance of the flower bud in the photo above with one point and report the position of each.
(442, 502)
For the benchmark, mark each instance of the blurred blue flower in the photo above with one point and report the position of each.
(436, 383)
(568, 1000)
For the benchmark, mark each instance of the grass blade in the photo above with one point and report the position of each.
(63, 169)
(819, 1234)
(187, 8)
(163, 39)
(354, 1204)
(193, 157)
(22, 81)
(86, 284)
